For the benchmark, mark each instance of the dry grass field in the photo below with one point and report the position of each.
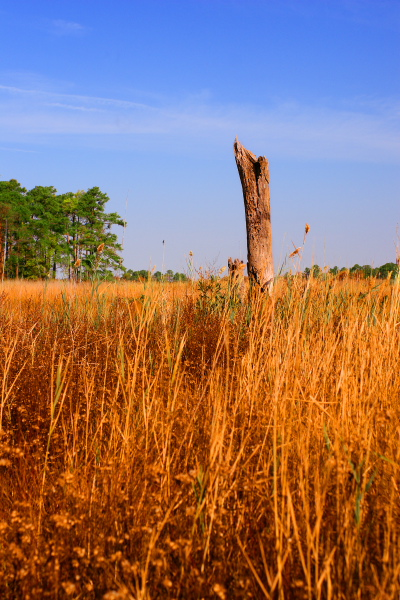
(159, 441)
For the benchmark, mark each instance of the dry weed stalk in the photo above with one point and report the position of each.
(151, 450)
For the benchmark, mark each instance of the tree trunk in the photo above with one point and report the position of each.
(254, 175)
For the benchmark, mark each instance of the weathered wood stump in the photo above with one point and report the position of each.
(254, 176)
(236, 269)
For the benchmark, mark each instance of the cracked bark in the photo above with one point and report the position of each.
(254, 176)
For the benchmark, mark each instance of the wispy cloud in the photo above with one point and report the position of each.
(90, 100)
(73, 107)
(61, 27)
(10, 149)
(361, 129)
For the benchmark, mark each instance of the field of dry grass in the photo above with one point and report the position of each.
(158, 442)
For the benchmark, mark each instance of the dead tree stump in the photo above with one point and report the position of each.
(236, 275)
(254, 176)
(236, 268)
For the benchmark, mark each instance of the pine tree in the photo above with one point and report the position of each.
(89, 229)
(42, 232)
(13, 217)
(46, 227)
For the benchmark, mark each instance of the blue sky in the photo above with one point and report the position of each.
(144, 98)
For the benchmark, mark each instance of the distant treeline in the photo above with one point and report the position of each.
(44, 234)
(144, 275)
(357, 271)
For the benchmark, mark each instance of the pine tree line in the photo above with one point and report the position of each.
(46, 235)
(389, 269)
(145, 275)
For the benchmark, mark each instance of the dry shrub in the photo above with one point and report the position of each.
(154, 448)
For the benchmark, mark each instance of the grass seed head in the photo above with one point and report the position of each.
(295, 252)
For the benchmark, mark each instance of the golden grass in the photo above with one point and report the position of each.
(153, 446)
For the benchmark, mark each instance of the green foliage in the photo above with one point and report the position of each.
(215, 297)
(211, 296)
(144, 275)
(315, 271)
(180, 277)
(43, 233)
(384, 271)
(362, 272)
